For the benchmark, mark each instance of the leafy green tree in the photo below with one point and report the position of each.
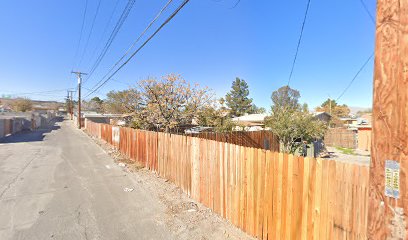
(256, 109)
(217, 117)
(237, 99)
(95, 104)
(97, 100)
(336, 110)
(285, 98)
(291, 122)
(125, 101)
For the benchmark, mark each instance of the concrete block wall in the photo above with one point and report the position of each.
(14, 124)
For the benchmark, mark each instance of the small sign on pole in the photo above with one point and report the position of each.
(392, 178)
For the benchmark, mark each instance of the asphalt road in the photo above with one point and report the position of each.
(58, 184)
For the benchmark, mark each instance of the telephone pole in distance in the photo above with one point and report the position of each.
(70, 104)
(79, 76)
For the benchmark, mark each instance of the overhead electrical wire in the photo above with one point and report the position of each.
(90, 32)
(355, 76)
(236, 4)
(144, 44)
(367, 11)
(48, 91)
(136, 41)
(80, 36)
(39, 94)
(105, 30)
(112, 36)
(366, 62)
(299, 42)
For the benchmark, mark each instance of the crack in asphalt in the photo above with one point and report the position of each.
(18, 175)
(83, 226)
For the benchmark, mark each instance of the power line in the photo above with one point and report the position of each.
(115, 31)
(80, 35)
(366, 62)
(236, 4)
(90, 32)
(40, 92)
(355, 76)
(135, 52)
(105, 30)
(134, 43)
(299, 41)
(367, 11)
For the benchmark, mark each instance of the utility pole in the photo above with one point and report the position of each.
(71, 104)
(388, 185)
(330, 102)
(79, 76)
(68, 103)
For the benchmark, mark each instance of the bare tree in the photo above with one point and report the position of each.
(171, 101)
(22, 105)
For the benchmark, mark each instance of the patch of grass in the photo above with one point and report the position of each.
(347, 151)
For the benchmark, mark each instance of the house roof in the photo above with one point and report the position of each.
(321, 113)
(259, 118)
(348, 119)
(99, 115)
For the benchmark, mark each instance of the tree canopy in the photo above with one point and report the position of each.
(22, 105)
(216, 116)
(171, 101)
(291, 122)
(125, 101)
(285, 98)
(334, 108)
(164, 103)
(256, 109)
(237, 98)
(95, 104)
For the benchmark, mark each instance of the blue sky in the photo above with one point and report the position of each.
(207, 42)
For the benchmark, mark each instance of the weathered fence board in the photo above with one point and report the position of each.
(341, 137)
(267, 194)
(256, 139)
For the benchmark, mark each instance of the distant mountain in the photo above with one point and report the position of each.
(354, 110)
(36, 103)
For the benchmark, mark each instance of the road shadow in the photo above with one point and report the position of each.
(35, 135)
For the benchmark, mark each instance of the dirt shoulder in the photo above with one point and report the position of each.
(186, 218)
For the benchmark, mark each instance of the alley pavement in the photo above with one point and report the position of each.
(56, 183)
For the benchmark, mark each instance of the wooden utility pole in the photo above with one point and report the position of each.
(330, 102)
(388, 196)
(68, 103)
(71, 104)
(79, 75)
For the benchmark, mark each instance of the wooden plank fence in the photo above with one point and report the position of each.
(341, 137)
(256, 139)
(267, 194)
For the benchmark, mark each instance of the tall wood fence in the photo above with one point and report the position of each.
(256, 139)
(267, 194)
(341, 137)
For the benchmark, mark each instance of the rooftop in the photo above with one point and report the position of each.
(260, 118)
